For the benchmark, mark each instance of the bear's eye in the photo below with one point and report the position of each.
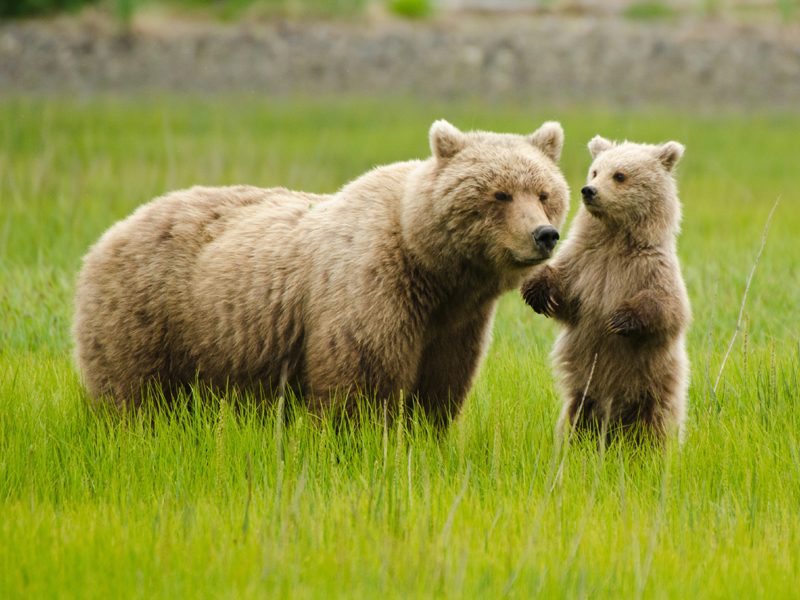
(594, 174)
(619, 177)
(544, 196)
(502, 196)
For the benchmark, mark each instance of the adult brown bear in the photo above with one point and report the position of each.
(387, 286)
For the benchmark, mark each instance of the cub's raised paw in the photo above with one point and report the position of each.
(625, 321)
(540, 295)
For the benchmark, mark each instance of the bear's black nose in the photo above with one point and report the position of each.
(588, 192)
(545, 237)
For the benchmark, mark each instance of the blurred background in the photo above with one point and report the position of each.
(701, 54)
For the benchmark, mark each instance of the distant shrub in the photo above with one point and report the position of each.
(226, 9)
(235, 9)
(26, 8)
(414, 9)
(123, 11)
(649, 10)
(788, 8)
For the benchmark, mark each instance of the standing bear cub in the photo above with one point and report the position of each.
(616, 286)
(387, 286)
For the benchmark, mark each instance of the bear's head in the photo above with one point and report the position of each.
(631, 186)
(499, 199)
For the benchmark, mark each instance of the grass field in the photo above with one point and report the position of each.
(225, 503)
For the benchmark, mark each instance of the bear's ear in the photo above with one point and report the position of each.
(669, 154)
(599, 144)
(446, 141)
(549, 138)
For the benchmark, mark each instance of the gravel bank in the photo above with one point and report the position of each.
(549, 58)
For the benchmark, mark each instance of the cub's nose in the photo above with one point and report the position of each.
(588, 192)
(545, 237)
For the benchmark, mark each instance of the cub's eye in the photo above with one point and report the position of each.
(543, 197)
(619, 177)
(594, 174)
(502, 196)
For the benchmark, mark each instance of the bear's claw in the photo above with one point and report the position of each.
(624, 322)
(536, 294)
(552, 305)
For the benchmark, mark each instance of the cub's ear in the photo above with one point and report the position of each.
(599, 144)
(446, 140)
(549, 138)
(669, 154)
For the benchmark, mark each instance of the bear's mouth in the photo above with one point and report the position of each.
(528, 262)
(592, 206)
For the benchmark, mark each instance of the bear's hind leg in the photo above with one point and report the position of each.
(641, 421)
(581, 414)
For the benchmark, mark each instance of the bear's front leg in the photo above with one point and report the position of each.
(449, 364)
(648, 312)
(626, 321)
(545, 293)
(542, 292)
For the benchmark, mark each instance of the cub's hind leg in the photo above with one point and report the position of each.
(581, 414)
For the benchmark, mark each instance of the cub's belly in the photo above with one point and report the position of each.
(608, 364)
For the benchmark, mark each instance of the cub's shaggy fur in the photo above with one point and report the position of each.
(616, 286)
(389, 285)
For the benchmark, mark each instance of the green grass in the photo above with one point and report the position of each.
(235, 503)
(648, 10)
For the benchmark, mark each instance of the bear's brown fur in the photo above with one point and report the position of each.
(389, 285)
(616, 286)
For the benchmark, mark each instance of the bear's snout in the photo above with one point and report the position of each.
(546, 237)
(589, 193)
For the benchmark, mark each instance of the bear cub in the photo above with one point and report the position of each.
(616, 287)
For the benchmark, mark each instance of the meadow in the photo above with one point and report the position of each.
(222, 501)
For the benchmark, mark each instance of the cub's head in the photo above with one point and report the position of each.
(631, 185)
(500, 198)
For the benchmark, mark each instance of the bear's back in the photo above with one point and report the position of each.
(134, 299)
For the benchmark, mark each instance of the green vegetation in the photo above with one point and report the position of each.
(234, 9)
(649, 11)
(413, 9)
(788, 8)
(124, 10)
(24, 8)
(220, 502)
(223, 9)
